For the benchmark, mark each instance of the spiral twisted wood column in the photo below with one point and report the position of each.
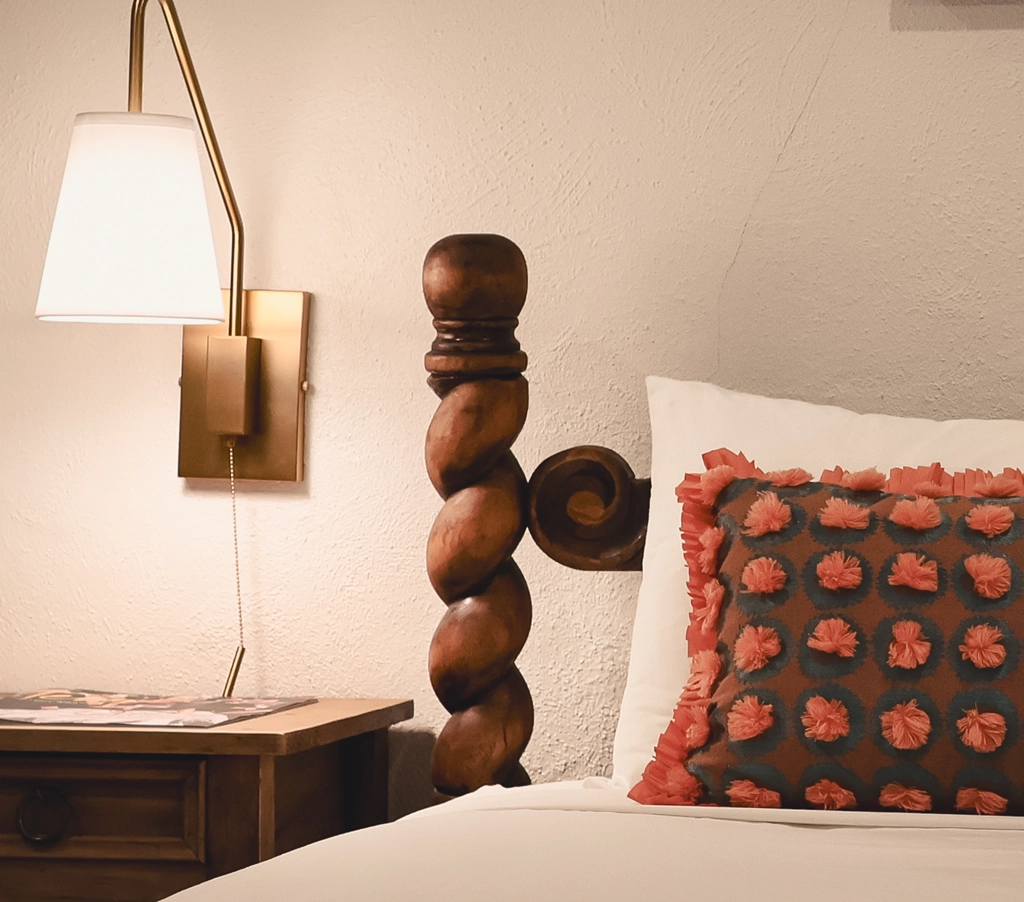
(475, 286)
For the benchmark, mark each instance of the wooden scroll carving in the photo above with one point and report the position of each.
(588, 511)
(475, 287)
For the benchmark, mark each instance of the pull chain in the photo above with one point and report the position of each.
(229, 686)
(234, 532)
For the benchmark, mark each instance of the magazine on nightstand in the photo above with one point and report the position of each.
(84, 707)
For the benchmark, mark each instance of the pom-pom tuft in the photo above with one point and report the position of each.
(749, 717)
(825, 720)
(864, 480)
(707, 606)
(909, 648)
(665, 783)
(838, 571)
(830, 796)
(713, 481)
(915, 572)
(695, 726)
(787, 479)
(917, 513)
(747, 794)
(906, 726)
(838, 513)
(982, 732)
(835, 637)
(704, 669)
(895, 795)
(756, 646)
(990, 519)
(763, 575)
(983, 646)
(1000, 487)
(767, 514)
(930, 490)
(991, 575)
(980, 802)
(710, 541)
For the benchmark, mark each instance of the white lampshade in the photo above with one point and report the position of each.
(131, 239)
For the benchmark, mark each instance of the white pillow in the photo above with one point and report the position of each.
(690, 418)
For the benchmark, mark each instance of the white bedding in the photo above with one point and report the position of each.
(587, 841)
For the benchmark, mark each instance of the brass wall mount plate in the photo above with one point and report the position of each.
(276, 450)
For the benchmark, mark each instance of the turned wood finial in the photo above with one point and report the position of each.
(475, 286)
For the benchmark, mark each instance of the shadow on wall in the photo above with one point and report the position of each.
(409, 784)
(956, 15)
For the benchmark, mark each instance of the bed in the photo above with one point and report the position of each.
(715, 793)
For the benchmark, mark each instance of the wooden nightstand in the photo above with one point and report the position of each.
(139, 813)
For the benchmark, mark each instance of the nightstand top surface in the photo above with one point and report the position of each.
(285, 732)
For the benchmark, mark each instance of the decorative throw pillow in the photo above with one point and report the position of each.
(687, 418)
(855, 642)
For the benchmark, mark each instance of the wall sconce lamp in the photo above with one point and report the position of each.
(132, 243)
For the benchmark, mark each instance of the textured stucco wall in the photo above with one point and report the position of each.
(804, 197)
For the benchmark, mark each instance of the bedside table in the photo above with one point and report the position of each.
(133, 814)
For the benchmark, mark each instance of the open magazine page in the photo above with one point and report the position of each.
(84, 707)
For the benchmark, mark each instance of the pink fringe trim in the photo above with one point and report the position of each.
(767, 514)
(710, 542)
(697, 518)
(915, 572)
(931, 481)
(839, 513)
(749, 717)
(980, 802)
(982, 732)
(908, 648)
(665, 780)
(825, 720)
(837, 571)
(991, 575)
(920, 513)
(906, 726)
(983, 646)
(747, 794)
(763, 575)
(895, 795)
(990, 519)
(756, 646)
(830, 796)
(705, 611)
(834, 636)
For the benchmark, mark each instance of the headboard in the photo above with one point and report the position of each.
(584, 508)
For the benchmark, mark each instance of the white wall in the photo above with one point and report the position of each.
(800, 197)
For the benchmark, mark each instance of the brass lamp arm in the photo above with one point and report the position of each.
(195, 93)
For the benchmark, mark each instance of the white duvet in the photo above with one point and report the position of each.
(587, 841)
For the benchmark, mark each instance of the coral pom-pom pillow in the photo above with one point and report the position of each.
(855, 642)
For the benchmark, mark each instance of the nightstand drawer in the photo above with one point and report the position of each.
(142, 808)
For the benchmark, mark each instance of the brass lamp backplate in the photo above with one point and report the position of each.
(276, 450)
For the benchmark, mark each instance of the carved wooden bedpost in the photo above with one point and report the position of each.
(475, 286)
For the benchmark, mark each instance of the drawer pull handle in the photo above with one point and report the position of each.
(43, 817)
